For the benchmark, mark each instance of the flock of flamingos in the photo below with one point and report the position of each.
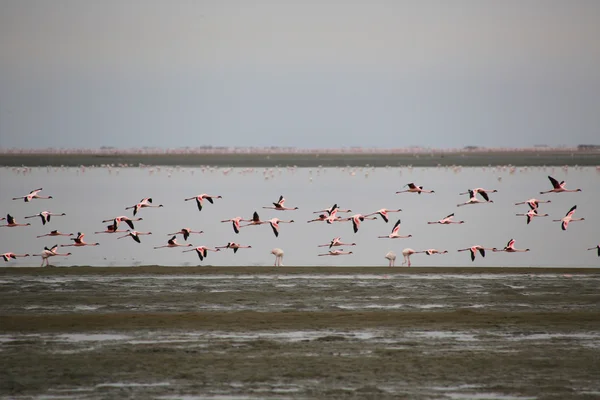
(329, 216)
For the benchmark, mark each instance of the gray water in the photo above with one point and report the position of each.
(91, 195)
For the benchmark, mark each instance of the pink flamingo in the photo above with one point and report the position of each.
(356, 220)
(533, 203)
(78, 241)
(34, 194)
(336, 242)
(412, 188)
(8, 256)
(279, 205)
(255, 220)
(135, 235)
(431, 252)
(475, 249)
(50, 252)
(447, 221)
(117, 220)
(11, 223)
(110, 229)
(333, 217)
(236, 223)
(56, 233)
(510, 248)
(531, 214)
(144, 203)
(406, 253)
(45, 216)
(383, 212)
(274, 222)
(336, 253)
(481, 191)
(391, 257)
(185, 232)
(200, 199)
(173, 243)
(558, 187)
(568, 218)
(234, 246)
(473, 200)
(331, 209)
(395, 233)
(322, 217)
(278, 253)
(202, 251)
(596, 248)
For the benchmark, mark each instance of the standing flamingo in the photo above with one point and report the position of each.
(336, 253)
(117, 220)
(395, 233)
(481, 191)
(78, 241)
(34, 194)
(473, 200)
(234, 246)
(391, 257)
(274, 222)
(356, 220)
(278, 253)
(200, 199)
(279, 205)
(185, 232)
(144, 203)
(568, 218)
(533, 203)
(50, 252)
(531, 214)
(202, 251)
(406, 253)
(447, 220)
(56, 233)
(337, 241)
(8, 256)
(45, 216)
(236, 223)
(173, 243)
(475, 249)
(510, 248)
(135, 235)
(596, 248)
(11, 222)
(412, 188)
(383, 212)
(558, 187)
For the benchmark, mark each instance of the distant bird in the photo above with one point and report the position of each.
(482, 192)
(596, 248)
(412, 188)
(474, 249)
(395, 233)
(336, 253)
(110, 229)
(8, 256)
(278, 253)
(391, 257)
(173, 243)
(279, 205)
(510, 248)
(50, 252)
(34, 194)
(531, 214)
(45, 216)
(558, 187)
(117, 220)
(11, 223)
(383, 212)
(236, 223)
(202, 251)
(533, 203)
(447, 220)
(185, 232)
(56, 233)
(431, 252)
(474, 200)
(336, 242)
(200, 199)
(274, 222)
(78, 241)
(255, 220)
(135, 235)
(144, 203)
(568, 218)
(356, 220)
(234, 246)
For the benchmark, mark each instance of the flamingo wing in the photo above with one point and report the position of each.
(10, 219)
(136, 238)
(571, 211)
(396, 227)
(383, 216)
(472, 255)
(199, 203)
(564, 225)
(554, 182)
(255, 217)
(236, 226)
(199, 252)
(130, 223)
(275, 228)
(484, 195)
(210, 200)
(186, 234)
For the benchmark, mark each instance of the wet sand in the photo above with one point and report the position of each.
(464, 158)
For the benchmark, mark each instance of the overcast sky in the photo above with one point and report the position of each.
(314, 73)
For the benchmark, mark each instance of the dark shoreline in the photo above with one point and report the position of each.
(420, 159)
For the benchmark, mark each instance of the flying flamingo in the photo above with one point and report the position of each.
(200, 199)
(475, 249)
(510, 248)
(236, 223)
(202, 251)
(78, 241)
(322, 217)
(333, 217)
(56, 233)
(255, 221)
(383, 212)
(531, 214)
(356, 220)
(533, 203)
(34, 194)
(331, 209)
(278, 253)
(337, 241)
(412, 188)
(8, 256)
(279, 205)
(431, 252)
(558, 187)
(336, 253)
(144, 203)
(447, 221)
(185, 232)
(274, 222)
(234, 246)
(50, 252)
(173, 243)
(395, 233)
(596, 248)
(135, 235)
(568, 218)
(45, 216)
(110, 229)
(11, 222)
(473, 200)
(117, 220)
(481, 191)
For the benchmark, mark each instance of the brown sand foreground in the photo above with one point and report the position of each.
(466, 159)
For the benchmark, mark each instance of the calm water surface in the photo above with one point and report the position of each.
(94, 194)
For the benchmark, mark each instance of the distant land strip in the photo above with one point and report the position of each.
(466, 158)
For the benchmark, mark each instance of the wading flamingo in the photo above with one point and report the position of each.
(447, 221)
(568, 218)
(391, 257)
(533, 203)
(279, 205)
(274, 222)
(412, 188)
(56, 233)
(185, 232)
(50, 252)
(383, 212)
(558, 187)
(8, 256)
(278, 253)
(234, 246)
(173, 243)
(356, 220)
(395, 233)
(135, 235)
(336, 253)
(473, 200)
(11, 223)
(202, 251)
(45, 216)
(200, 199)
(78, 241)
(510, 248)
(481, 191)
(475, 249)
(117, 220)
(34, 194)
(406, 253)
(336, 242)
(531, 214)
(144, 203)
(596, 248)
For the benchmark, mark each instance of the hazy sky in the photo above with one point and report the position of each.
(309, 73)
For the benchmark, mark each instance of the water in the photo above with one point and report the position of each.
(91, 195)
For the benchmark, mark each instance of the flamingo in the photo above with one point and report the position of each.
(447, 220)
(255, 220)
(185, 232)
(568, 218)
(510, 248)
(475, 249)
(395, 233)
(412, 188)
(331, 209)
(322, 217)
(473, 200)
(333, 217)
(406, 253)
(356, 220)
(202, 251)
(56, 233)
(278, 253)
(279, 205)
(110, 229)
(558, 187)
(533, 203)
(234, 246)
(11, 222)
(431, 252)
(135, 235)
(336, 253)
(45, 216)
(391, 256)
(8, 256)
(50, 252)
(200, 199)
(117, 220)
(596, 248)
(481, 191)
(236, 223)
(531, 214)
(337, 241)
(173, 243)
(34, 194)
(144, 203)
(274, 222)
(383, 212)
(78, 241)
